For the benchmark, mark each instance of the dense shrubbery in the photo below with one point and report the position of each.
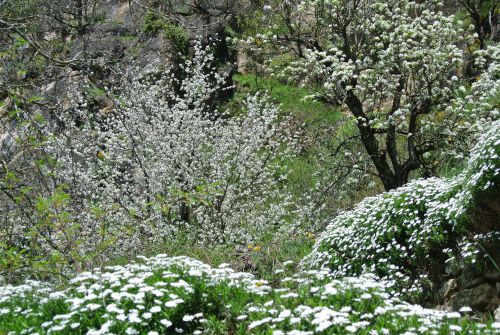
(180, 295)
(401, 234)
(161, 164)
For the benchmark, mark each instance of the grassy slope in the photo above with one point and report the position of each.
(289, 97)
(316, 120)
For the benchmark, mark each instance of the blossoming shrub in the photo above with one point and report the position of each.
(170, 163)
(163, 163)
(164, 295)
(401, 234)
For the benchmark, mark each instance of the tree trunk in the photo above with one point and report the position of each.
(385, 173)
(184, 212)
(79, 16)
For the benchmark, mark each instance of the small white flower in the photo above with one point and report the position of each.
(155, 309)
(131, 331)
(166, 322)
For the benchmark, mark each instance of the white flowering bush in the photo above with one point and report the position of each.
(474, 107)
(163, 295)
(401, 234)
(162, 164)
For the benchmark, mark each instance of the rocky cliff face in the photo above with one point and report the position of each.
(114, 37)
(470, 285)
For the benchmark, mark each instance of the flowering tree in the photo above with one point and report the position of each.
(162, 165)
(395, 65)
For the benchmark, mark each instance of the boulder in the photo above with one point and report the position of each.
(492, 276)
(470, 277)
(448, 289)
(478, 297)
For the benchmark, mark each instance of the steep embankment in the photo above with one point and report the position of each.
(426, 233)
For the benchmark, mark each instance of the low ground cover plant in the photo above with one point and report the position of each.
(168, 295)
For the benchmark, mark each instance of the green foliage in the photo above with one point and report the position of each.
(261, 258)
(51, 244)
(292, 99)
(177, 35)
(154, 24)
(11, 259)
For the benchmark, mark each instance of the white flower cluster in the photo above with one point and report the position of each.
(398, 53)
(394, 232)
(182, 295)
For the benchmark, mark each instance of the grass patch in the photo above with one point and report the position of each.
(290, 98)
(261, 258)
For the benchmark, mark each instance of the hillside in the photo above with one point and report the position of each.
(249, 167)
(393, 244)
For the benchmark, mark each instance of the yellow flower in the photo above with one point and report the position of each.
(256, 248)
